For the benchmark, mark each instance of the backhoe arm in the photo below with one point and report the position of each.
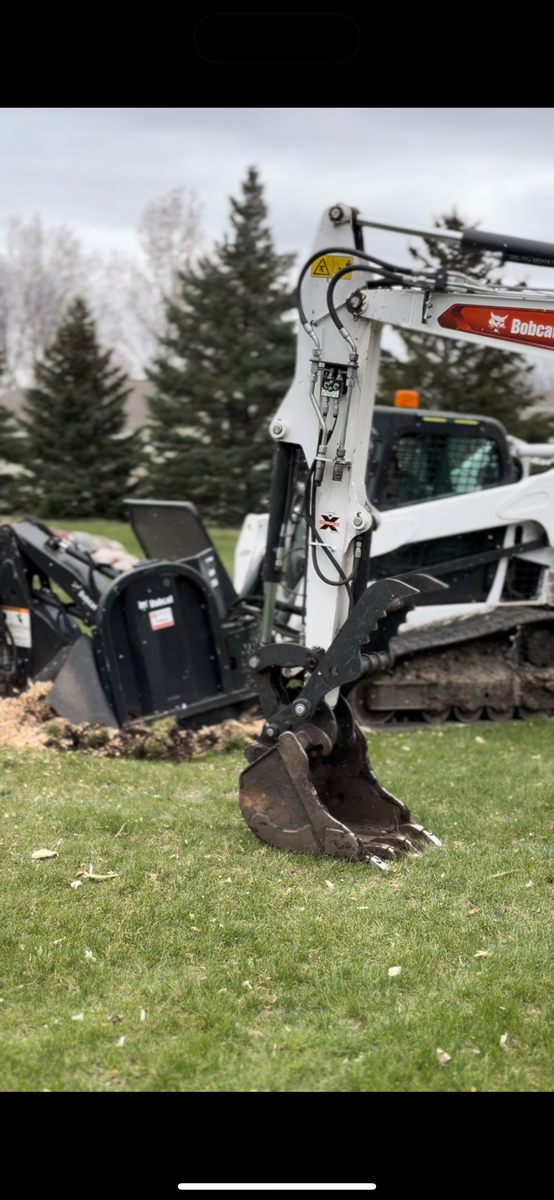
(309, 785)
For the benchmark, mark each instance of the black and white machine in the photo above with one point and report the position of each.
(407, 563)
(309, 784)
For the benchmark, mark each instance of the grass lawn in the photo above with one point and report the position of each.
(212, 962)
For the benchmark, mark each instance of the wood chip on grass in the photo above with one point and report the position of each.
(28, 722)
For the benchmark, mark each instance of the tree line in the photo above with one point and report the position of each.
(218, 329)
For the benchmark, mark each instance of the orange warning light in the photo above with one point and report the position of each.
(406, 398)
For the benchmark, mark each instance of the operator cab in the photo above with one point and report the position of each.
(419, 456)
(413, 457)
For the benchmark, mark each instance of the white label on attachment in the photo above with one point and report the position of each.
(18, 621)
(161, 618)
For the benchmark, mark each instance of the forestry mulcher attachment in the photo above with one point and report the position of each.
(309, 785)
(167, 638)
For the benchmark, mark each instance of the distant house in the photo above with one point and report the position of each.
(548, 399)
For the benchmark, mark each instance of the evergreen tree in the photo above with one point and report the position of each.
(222, 370)
(458, 376)
(74, 420)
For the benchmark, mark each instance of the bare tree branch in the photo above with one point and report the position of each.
(43, 270)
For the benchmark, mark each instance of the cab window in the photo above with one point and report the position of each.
(426, 466)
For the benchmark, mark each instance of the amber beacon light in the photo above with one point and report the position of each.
(406, 398)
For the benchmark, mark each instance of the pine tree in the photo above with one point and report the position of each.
(222, 369)
(456, 376)
(74, 418)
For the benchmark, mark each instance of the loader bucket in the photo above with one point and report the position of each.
(297, 799)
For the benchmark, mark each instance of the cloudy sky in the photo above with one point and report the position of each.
(95, 169)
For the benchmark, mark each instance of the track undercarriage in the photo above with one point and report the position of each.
(503, 669)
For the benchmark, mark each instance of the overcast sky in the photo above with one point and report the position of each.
(95, 169)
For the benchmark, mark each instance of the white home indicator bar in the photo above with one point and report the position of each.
(277, 1187)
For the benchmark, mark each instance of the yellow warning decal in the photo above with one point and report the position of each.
(328, 265)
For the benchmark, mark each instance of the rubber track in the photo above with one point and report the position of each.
(449, 632)
(465, 628)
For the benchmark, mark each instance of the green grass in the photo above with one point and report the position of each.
(252, 972)
(225, 541)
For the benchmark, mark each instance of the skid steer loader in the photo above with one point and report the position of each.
(309, 785)
(485, 646)
(462, 504)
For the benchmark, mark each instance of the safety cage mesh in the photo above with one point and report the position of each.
(427, 466)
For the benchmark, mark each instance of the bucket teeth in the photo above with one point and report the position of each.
(419, 831)
(378, 862)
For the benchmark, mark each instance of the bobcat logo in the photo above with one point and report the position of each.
(330, 521)
(497, 322)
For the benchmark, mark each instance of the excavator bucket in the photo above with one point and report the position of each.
(309, 785)
(297, 798)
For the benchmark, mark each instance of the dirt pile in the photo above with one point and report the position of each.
(28, 722)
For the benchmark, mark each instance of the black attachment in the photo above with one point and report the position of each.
(36, 626)
(162, 649)
(167, 638)
(280, 488)
(172, 531)
(77, 693)
(48, 556)
(341, 664)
